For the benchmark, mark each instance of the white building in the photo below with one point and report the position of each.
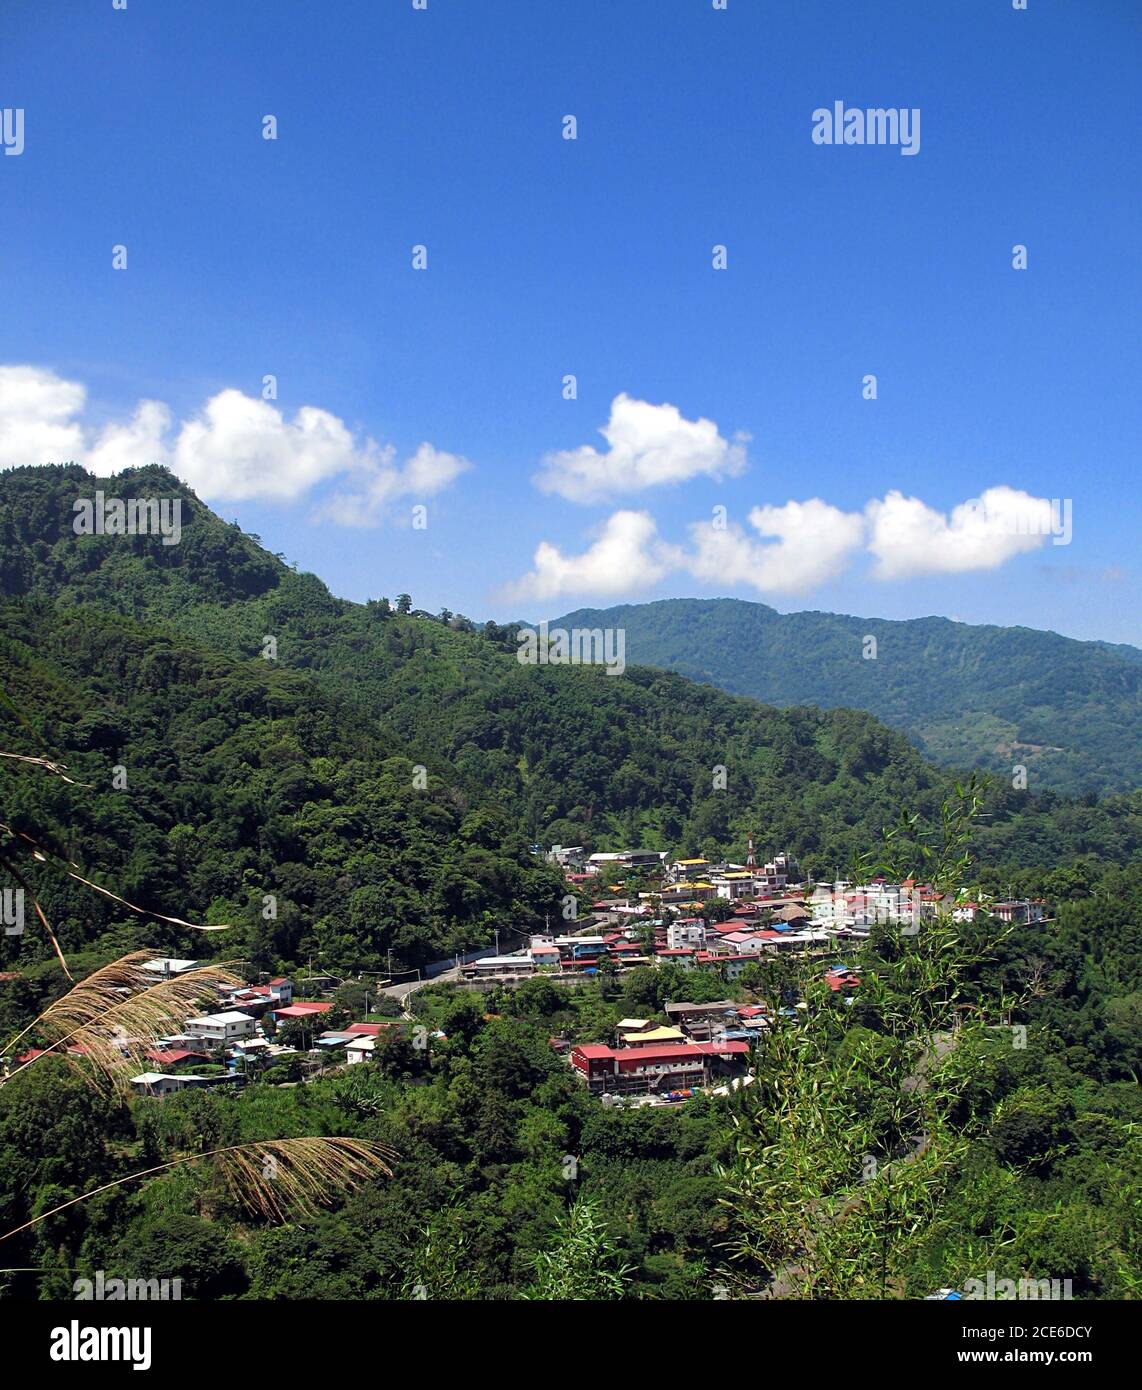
(735, 884)
(221, 1028)
(679, 934)
(156, 1083)
(166, 968)
(499, 965)
(360, 1050)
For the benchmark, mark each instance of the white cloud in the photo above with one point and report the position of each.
(126, 446)
(426, 473)
(240, 447)
(797, 547)
(812, 543)
(647, 445)
(37, 424)
(910, 538)
(237, 447)
(627, 557)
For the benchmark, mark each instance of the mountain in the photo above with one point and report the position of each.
(991, 697)
(382, 776)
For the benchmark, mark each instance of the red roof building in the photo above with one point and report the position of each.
(645, 1070)
(302, 1010)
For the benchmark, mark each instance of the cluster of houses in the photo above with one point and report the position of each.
(768, 909)
(236, 1032)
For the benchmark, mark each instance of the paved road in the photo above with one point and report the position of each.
(401, 993)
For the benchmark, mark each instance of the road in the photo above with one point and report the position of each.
(401, 993)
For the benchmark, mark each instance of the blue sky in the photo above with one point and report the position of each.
(546, 256)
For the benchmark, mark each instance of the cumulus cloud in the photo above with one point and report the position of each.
(426, 473)
(798, 546)
(141, 440)
(811, 542)
(236, 448)
(647, 446)
(909, 538)
(626, 557)
(37, 417)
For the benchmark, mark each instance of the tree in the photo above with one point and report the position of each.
(404, 603)
(584, 1263)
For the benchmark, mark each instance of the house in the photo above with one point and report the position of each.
(701, 1022)
(221, 1028)
(731, 966)
(544, 953)
(735, 884)
(566, 856)
(751, 1020)
(629, 859)
(488, 966)
(626, 1026)
(360, 1049)
(175, 1056)
(687, 892)
(1024, 911)
(370, 1030)
(742, 943)
(156, 1083)
(660, 1069)
(792, 914)
(296, 1011)
(680, 955)
(163, 968)
(782, 869)
(689, 932)
(683, 869)
(257, 999)
(841, 977)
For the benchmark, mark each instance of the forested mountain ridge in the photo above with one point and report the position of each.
(992, 697)
(298, 776)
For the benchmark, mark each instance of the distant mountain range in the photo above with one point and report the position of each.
(990, 697)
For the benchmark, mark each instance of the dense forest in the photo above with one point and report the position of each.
(967, 695)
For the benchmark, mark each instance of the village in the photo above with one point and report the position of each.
(625, 911)
(720, 918)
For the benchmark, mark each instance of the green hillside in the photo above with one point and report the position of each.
(992, 697)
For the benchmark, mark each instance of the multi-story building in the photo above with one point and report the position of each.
(658, 1068)
(221, 1028)
(688, 932)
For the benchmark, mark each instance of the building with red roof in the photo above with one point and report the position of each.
(646, 1070)
(301, 1010)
